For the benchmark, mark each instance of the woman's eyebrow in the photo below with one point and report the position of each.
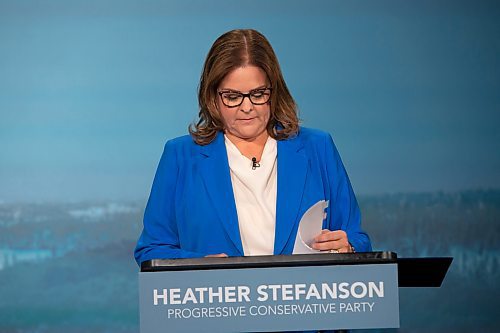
(237, 91)
(260, 87)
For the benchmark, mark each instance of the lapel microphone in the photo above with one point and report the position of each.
(255, 164)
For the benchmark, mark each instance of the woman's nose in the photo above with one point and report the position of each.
(246, 104)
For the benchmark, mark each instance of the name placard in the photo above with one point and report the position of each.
(270, 299)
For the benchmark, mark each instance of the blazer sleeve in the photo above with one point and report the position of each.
(159, 238)
(344, 209)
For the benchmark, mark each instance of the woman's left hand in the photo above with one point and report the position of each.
(335, 241)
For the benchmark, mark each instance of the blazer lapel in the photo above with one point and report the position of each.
(214, 168)
(292, 172)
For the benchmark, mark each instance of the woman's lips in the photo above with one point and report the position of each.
(246, 119)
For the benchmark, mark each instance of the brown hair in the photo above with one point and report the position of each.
(237, 48)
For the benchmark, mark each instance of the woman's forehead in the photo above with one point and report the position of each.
(244, 79)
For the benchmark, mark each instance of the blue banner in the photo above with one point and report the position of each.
(270, 299)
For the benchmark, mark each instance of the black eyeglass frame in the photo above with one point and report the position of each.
(249, 95)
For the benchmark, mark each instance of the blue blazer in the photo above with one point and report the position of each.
(191, 210)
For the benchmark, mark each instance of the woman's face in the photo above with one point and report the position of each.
(246, 121)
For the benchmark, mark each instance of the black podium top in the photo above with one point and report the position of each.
(412, 272)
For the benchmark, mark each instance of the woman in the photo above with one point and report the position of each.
(241, 181)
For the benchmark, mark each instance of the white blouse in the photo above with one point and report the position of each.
(255, 196)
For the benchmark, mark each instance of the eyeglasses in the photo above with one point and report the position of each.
(232, 98)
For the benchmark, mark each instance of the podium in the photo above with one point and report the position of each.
(280, 293)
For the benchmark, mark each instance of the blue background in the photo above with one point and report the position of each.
(90, 91)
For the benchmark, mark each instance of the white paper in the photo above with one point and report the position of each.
(310, 226)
